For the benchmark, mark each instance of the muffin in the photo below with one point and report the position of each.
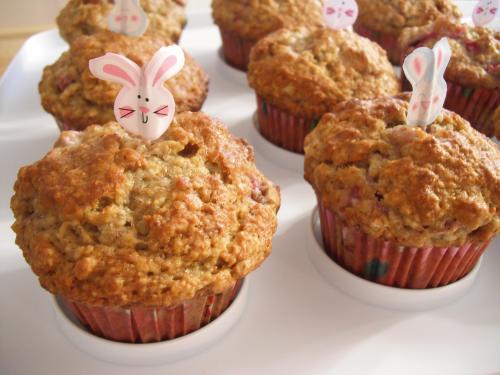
(77, 99)
(145, 241)
(409, 207)
(383, 20)
(301, 73)
(242, 23)
(167, 18)
(473, 74)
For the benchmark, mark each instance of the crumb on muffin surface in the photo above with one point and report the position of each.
(475, 59)
(437, 185)
(106, 218)
(307, 71)
(167, 18)
(73, 95)
(255, 19)
(391, 16)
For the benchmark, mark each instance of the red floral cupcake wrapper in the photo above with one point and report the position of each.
(389, 42)
(476, 105)
(388, 263)
(281, 128)
(149, 324)
(236, 50)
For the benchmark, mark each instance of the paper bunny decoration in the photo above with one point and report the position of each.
(485, 12)
(144, 106)
(340, 14)
(425, 69)
(127, 17)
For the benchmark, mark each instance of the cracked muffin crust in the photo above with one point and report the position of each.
(77, 99)
(392, 16)
(167, 18)
(107, 218)
(254, 19)
(308, 71)
(383, 20)
(437, 185)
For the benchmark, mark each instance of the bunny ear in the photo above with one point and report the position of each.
(116, 68)
(416, 64)
(442, 52)
(166, 63)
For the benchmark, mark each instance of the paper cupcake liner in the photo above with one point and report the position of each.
(389, 42)
(150, 324)
(388, 263)
(476, 105)
(281, 128)
(236, 50)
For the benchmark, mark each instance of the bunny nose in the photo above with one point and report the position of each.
(144, 109)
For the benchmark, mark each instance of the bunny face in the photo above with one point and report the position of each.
(127, 17)
(145, 112)
(143, 106)
(427, 103)
(425, 69)
(340, 14)
(485, 12)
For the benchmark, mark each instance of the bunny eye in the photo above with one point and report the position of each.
(138, 96)
(147, 99)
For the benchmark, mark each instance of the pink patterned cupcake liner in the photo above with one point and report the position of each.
(236, 50)
(281, 128)
(389, 42)
(152, 324)
(476, 105)
(388, 263)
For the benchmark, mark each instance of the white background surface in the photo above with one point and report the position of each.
(295, 322)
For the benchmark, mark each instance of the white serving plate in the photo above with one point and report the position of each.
(294, 322)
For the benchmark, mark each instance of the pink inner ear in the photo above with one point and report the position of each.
(116, 71)
(167, 64)
(417, 65)
(440, 58)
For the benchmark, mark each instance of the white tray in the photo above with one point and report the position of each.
(294, 321)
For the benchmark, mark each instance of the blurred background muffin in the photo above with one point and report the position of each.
(410, 207)
(383, 20)
(167, 18)
(242, 23)
(301, 73)
(145, 241)
(77, 99)
(473, 74)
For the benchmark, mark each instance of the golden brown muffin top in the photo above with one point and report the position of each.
(167, 18)
(254, 19)
(72, 94)
(475, 60)
(107, 218)
(437, 185)
(308, 71)
(391, 16)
